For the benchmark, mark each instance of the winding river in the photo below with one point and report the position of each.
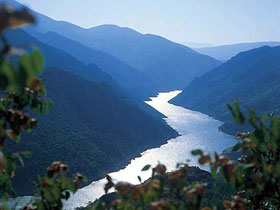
(197, 130)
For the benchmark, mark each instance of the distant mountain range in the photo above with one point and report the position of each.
(252, 77)
(225, 52)
(130, 79)
(167, 64)
(98, 78)
(94, 125)
(91, 117)
(197, 44)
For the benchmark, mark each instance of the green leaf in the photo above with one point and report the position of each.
(277, 169)
(264, 118)
(197, 152)
(48, 195)
(146, 167)
(253, 119)
(249, 165)
(236, 113)
(7, 76)
(20, 160)
(56, 192)
(139, 178)
(236, 147)
(70, 185)
(36, 62)
(274, 126)
(229, 107)
(46, 106)
(27, 154)
(213, 171)
(13, 135)
(30, 66)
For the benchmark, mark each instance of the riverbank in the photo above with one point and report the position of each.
(198, 131)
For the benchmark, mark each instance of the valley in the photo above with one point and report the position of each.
(83, 107)
(197, 131)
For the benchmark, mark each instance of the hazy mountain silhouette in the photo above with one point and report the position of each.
(252, 77)
(169, 65)
(92, 117)
(132, 80)
(197, 44)
(225, 52)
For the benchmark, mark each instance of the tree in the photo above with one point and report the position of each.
(22, 95)
(256, 175)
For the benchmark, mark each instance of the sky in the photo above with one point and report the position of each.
(203, 21)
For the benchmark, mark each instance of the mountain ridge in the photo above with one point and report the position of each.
(169, 65)
(252, 77)
(225, 52)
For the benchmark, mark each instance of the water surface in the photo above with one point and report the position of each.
(197, 130)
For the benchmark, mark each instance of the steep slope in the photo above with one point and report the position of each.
(90, 126)
(60, 59)
(169, 65)
(129, 79)
(225, 52)
(132, 80)
(83, 126)
(57, 58)
(252, 77)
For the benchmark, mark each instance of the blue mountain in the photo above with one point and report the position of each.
(252, 77)
(167, 64)
(225, 52)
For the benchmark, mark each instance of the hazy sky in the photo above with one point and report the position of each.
(206, 21)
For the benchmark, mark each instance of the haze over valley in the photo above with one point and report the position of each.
(138, 103)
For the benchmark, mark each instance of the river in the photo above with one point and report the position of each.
(197, 130)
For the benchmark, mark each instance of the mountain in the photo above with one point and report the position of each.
(252, 77)
(60, 59)
(130, 79)
(93, 125)
(197, 44)
(225, 52)
(167, 64)
(133, 81)
(90, 126)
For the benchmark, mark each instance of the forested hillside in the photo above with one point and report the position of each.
(68, 57)
(91, 127)
(92, 115)
(252, 77)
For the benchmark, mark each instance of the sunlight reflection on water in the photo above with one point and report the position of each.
(197, 130)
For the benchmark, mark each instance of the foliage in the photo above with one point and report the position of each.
(162, 191)
(215, 190)
(55, 187)
(107, 145)
(255, 177)
(252, 77)
(22, 93)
